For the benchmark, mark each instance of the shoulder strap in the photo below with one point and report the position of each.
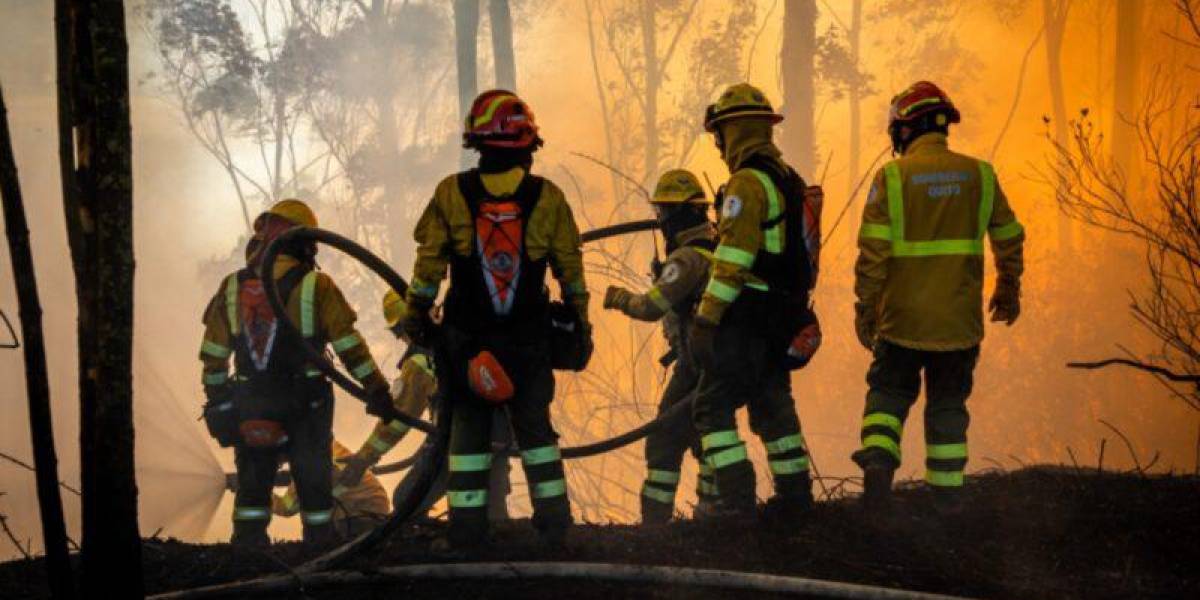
(702, 243)
(470, 185)
(528, 193)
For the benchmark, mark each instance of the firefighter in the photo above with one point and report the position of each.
(919, 285)
(755, 302)
(276, 404)
(413, 392)
(497, 228)
(358, 506)
(682, 211)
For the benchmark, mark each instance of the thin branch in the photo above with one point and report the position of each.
(1184, 378)
(16, 342)
(30, 468)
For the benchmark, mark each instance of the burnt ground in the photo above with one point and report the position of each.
(1036, 533)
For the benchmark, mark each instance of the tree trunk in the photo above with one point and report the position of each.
(37, 385)
(1125, 85)
(652, 82)
(100, 230)
(855, 97)
(1054, 14)
(466, 32)
(502, 44)
(799, 91)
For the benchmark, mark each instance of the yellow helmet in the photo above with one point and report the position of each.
(394, 308)
(295, 211)
(679, 186)
(739, 102)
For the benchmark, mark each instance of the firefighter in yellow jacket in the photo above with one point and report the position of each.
(682, 211)
(497, 229)
(358, 506)
(754, 304)
(919, 283)
(276, 404)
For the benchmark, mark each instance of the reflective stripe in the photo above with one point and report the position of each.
(347, 343)
(231, 304)
(728, 456)
(904, 248)
(884, 442)
(491, 109)
(466, 498)
(875, 231)
(789, 466)
(785, 443)
(944, 478)
(362, 370)
(549, 489)
(470, 462)
(720, 439)
(773, 235)
(379, 445)
(423, 362)
(251, 513)
(655, 296)
(754, 285)
(312, 372)
(722, 291)
(308, 289)
(316, 517)
(540, 456)
(735, 256)
(215, 350)
(890, 421)
(705, 469)
(398, 427)
(949, 451)
(706, 488)
(422, 289)
(1006, 232)
(660, 476)
(663, 496)
(216, 378)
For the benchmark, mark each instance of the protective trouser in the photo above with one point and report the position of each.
(665, 448)
(471, 450)
(499, 484)
(307, 451)
(895, 382)
(749, 371)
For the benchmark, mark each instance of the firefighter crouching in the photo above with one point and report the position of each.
(497, 228)
(275, 404)
(755, 303)
(681, 208)
(919, 283)
(358, 506)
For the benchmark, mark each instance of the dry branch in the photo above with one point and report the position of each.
(1157, 370)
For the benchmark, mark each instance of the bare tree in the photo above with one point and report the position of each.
(502, 44)
(1126, 84)
(37, 384)
(798, 57)
(98, 201)
(1054, 20)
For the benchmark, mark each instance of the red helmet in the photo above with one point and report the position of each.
(499, 119)
(920, 99)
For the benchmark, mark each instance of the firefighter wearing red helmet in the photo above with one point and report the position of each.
(276, 404)
(496, 229)
(919, 284)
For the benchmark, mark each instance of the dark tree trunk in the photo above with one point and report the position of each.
(1125, 85)
(502, 44)
(653, 78)
(855, 96)
(99, 205)
(1054, 15)
(37, 385)
(466, 33)
(799, 91)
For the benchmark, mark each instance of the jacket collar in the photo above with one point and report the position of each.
(703, 230)
(928, 143)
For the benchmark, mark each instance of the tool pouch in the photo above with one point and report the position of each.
(221, 418)
(805, 343)
(570, 342)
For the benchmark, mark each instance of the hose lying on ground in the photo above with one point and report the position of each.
(500, 571)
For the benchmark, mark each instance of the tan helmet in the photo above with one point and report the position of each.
(679, 186)
(740, 101)
(394, 308)
(295, 211)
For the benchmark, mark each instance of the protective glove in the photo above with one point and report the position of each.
(589, 345)
(616, 297)
(1005, 305)
(379, 403)
(353, 469)
(866, 325)
(702, 336)
(417, 323)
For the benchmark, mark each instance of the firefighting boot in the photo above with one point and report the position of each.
(250, 534)
(736, 484)
(947, 501)
(877, 488)
(707, 507)
(793, 500)
(655, 512)
(320, 535)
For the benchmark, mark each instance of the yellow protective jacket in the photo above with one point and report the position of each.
(750, 201)
(316, 304)
(368, 498)
(446, 228)
(920, 263)
(411, 393)
(683, 278)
